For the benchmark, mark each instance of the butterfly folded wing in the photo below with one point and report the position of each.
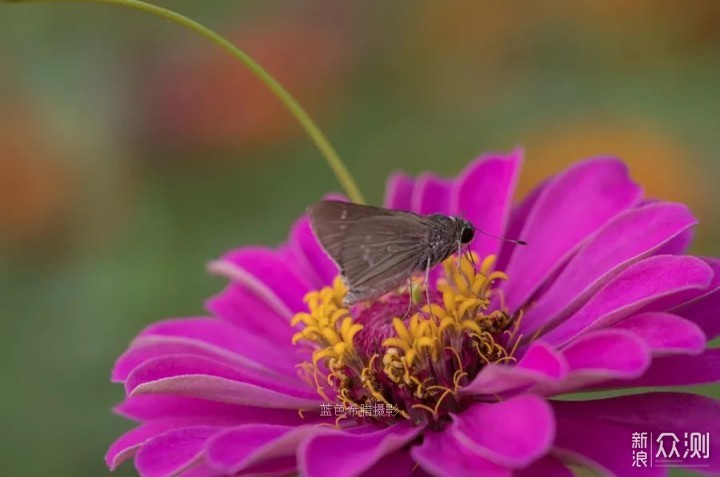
(331, 219)
(379, 254)
(376, 249)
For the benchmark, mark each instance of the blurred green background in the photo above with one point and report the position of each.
(132, 152)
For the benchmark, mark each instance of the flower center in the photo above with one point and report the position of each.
(406, 356)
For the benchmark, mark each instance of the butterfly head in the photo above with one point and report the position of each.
(466, 231)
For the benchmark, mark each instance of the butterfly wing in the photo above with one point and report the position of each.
(331, 219)
(376, 249)
(381, 253)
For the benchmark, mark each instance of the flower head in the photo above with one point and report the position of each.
(409, 359)
(460, 374)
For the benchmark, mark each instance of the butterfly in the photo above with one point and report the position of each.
(377, 250)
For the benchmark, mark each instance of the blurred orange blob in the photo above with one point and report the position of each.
(468, 54)
(677, 26)
(35, 186)
(208, 99)
(666, 167)
(464, 54)
(697, 14)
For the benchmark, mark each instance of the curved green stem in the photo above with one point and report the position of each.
(332, 158)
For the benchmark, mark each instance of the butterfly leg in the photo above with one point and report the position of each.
(410, 297)
(468, 252)
(427, 285)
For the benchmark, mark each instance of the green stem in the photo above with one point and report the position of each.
(332, 158)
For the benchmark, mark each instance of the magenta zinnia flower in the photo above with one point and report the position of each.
(282, 378)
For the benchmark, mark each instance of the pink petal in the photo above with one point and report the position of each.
(399, 191)
(686, 297)
(152, 347)
(224, 390)
(483, 195)
(512, 433)
(603, 447)
(441, 455)
(157, 406)
(198, 469)
(271, 270)
(678, 371)
(173, 451)
(540, 365)
(633, 290)
(518, 217)
(705, 310)
(665, 333)
(655, 413)
(250, 305)
(310, 254)
(244, 447)
(678, 245)
(397, 464)
(146, 349)
(573, 206)
(184, 365)
(431, 195)
(616, 352)
(629, 237)
(250, 300)
(601, 356)
(191, 376)
(126, 446)
(283, 466)
(661, 411)
(210, 330)
(548, 465)
(219, 338)
(597, 359)
(347, 454)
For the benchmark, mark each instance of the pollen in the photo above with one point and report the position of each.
(408, 352)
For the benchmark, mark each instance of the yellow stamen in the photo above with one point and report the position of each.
(401, 330)
(414, 363)
(397, 343)
(425, 408)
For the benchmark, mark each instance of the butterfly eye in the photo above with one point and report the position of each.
(467, 234)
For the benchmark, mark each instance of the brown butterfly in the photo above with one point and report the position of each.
(377, 250)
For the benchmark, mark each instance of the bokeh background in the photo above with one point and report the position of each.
(132, 152)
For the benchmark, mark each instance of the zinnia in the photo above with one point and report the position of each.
(284, 379)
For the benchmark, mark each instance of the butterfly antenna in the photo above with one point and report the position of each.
(503, 239)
